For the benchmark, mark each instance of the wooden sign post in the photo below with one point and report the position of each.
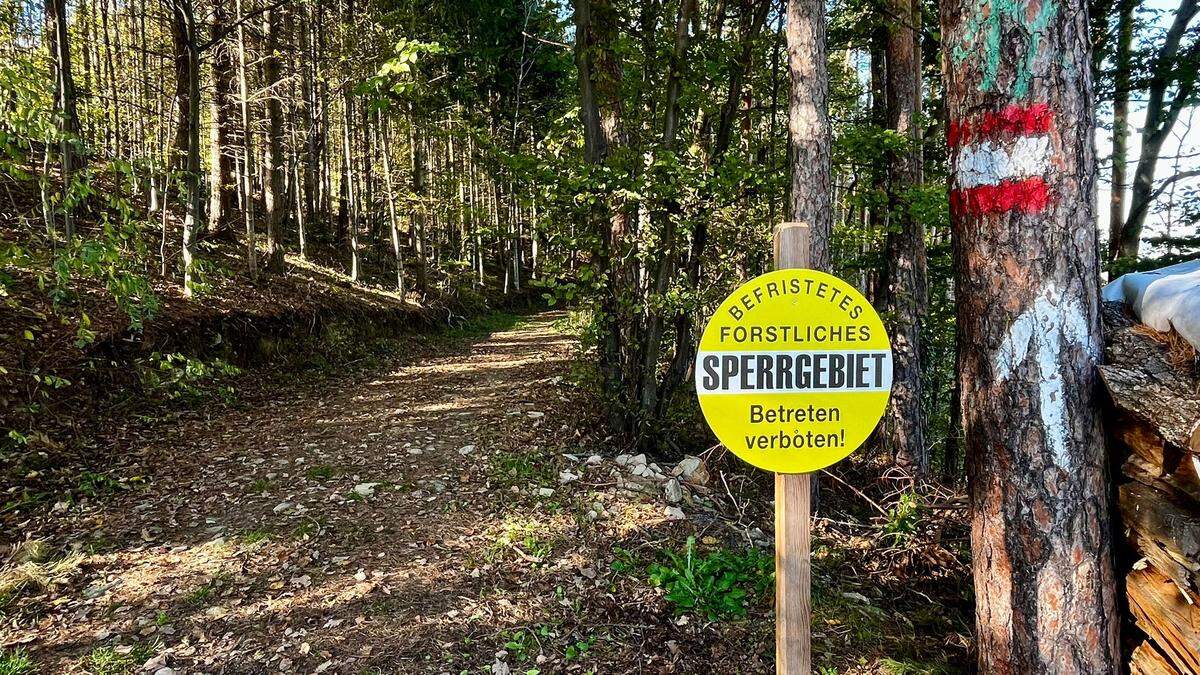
(793, 372)
(793, 516)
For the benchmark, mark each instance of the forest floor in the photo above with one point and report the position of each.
(451, 509)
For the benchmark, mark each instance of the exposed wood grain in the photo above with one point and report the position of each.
(1166, 616)
(1147, 660)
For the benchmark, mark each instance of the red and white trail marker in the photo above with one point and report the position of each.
(1001, 160)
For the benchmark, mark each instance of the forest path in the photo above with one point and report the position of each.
(408, 520)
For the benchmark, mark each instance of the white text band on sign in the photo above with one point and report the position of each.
(793, 372)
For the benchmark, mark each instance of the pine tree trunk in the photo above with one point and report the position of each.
(1019, 95)
(904, 287)
(808, 125)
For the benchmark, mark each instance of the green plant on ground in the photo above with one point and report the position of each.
(15, 662)
(201, 594)
(180, 377)
(258, 486)
(718, 585)
(904, 519)
(523, 537)
(516, 468)
(94, 484)
(320, 472)
(118, 661)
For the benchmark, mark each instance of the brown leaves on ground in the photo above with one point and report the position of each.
(458, 511)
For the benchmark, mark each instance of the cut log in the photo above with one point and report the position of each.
(1166, 617)
(1163, 532)
(1182, 485)
(1145, 384)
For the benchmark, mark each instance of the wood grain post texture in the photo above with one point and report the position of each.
(1019, 98)
(793, 518)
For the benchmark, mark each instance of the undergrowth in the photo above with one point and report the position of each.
(719, 585)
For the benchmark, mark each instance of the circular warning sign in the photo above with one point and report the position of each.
(794, 371)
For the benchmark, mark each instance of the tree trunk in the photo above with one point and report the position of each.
(247, 152)
(276, 199)
(348, 205)
(1019, 95)
(1122, 80)
(223, 186)
(182, 43)
(1161, 115)
(596, 33)
(808, 125)
(420, 167)
(59, 46)
(187, 69)
(904, 287)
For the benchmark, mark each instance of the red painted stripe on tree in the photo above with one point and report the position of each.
(1017, 120)
(1030, 195)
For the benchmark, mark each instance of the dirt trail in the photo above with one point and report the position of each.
(458, 511)
(407, 521)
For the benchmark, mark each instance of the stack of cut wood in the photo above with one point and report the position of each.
(1155, 425)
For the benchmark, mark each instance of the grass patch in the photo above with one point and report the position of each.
(119, 661)
(515, 468)
(719, 585)
(259, 486)
(15, 662)
(523, 538)
(320, 472)
(200, 595)
(255, 536)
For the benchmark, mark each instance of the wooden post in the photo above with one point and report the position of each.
(793, 519)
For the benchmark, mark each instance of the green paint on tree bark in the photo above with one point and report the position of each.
(982, 40)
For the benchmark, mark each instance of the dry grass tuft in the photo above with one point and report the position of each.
(1180, 352)
(32, 566)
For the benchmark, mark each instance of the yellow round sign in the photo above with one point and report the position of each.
(794, 371)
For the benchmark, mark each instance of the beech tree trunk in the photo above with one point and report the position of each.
(1169, 93)
(1122, 80)
(904, 287)
(223, 186)
(1019, 97)
(59, 46)
(276, 199)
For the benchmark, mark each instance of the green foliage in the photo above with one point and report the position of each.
(177, 376)
(94, 484)
(16, 662)
(525, 538)
(716, 586)
(904, 519)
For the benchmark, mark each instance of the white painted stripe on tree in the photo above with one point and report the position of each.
(1044, 329)
(990, 163)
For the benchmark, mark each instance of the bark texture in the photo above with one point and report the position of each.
(223, 185)
(1018, 80)
(808, 125)
(905, 288)
(276, 199)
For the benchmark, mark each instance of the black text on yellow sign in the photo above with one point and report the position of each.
(794, 371)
